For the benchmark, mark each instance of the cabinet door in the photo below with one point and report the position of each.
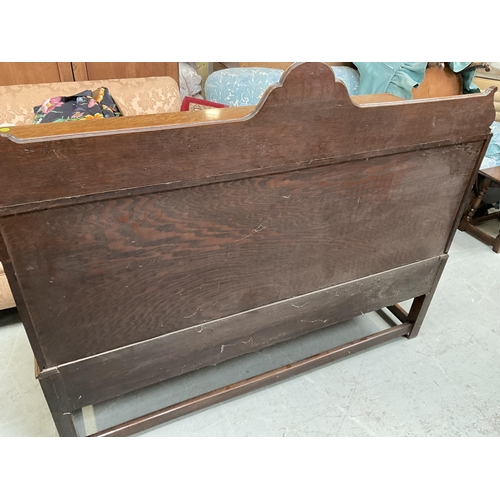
(18, 73)
(106, 70)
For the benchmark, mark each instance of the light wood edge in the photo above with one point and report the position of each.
(126, 124)
(142, 123)
(493, 173)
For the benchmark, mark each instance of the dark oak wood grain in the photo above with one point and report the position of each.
(143, 265)
(143, 249)
(213, 342)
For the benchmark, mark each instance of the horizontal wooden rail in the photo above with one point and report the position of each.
(253, 383)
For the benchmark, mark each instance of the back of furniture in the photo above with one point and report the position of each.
(147, 245)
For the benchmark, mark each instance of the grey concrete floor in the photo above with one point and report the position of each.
(443, 383)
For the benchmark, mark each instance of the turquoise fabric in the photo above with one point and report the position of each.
(399, 78)
(469, 87)
(458, 66)
(245, 86)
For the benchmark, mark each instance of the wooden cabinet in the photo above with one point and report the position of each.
(17, 73)
(107, 70)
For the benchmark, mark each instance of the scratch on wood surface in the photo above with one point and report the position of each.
(59, 155)
(260, 227)
(186, 317)
(223, 346)
(300, 307)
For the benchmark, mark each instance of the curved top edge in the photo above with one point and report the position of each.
(300, 82)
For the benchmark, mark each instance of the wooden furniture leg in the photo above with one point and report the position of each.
(475, 204)
(496, 243)
(469, 224)
(419, 306)
(64, 420)
(474, 230)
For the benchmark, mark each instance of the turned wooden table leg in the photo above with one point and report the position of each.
(475, 205)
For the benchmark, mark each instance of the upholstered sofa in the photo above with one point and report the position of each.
(133, 96)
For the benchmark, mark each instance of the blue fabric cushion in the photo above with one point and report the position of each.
(245, 86)
(492, 159)
(348, 76)
(492, 155)
(240, 86)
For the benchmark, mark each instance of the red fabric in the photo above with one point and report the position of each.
(192, 103)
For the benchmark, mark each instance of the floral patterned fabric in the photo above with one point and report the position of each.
(82, 106)
(240, 86)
